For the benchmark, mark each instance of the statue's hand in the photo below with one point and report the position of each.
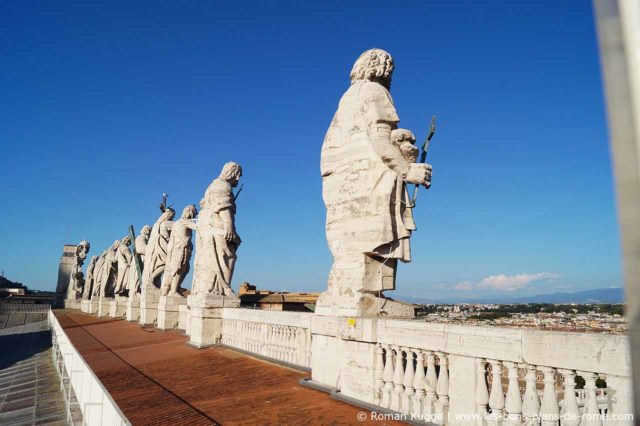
(420, 174)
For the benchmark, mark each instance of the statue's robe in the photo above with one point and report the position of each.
(179, 252)
(215, 257)
(124, 264)
(156, 253)
(367, 203)
(87, 291)
(98, 275)
(134, 277)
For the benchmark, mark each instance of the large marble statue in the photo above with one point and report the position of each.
(124, 258)
(87, 291)
(76, 279)
(98, 273)
(365, 167)
(179, 252)
(109, 273)
(216, 238)
(156, 250)
(140, 245)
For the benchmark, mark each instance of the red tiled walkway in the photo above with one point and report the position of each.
(155, 379)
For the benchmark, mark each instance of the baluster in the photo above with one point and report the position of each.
(264, 330)
(285, 344)
(378, 372)
(236, 333)
(418, 385)
(250, 338)
(290, 344)
(407, 382)
(276, 341)
(549, 410)
(281, 342)
(246, 335)
(257, 327)
(387, 376)
(307, 334)
(398, 375)
(570, 413)
(513, 402)
(496, 397)
(531, 401)
(482, 392)
(430, 387)
(442, 389)
(591, 412)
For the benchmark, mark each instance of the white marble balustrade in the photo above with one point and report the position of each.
(492, 376)
(283, 336)
(412, 381)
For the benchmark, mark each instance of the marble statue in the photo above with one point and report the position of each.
(140, 245)
(179, 252)
(216, 238)
(76, 279)
(109, 270)
(124, 259)
(87, 291)
(366, 163)
(156, 250)
(97, 274)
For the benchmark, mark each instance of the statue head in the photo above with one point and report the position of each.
(82, 249)
(373, 65)
(168, 214)
(189, 212)
(404, 139)
(146, 230)
(231, 172)
(126, 241)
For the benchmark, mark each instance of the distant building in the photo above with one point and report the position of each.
(250, 297)
(17, 291)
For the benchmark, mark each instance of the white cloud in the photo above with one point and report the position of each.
(514, 282)
(463, 286)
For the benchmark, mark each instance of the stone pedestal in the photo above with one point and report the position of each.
(93, 305)
(184, 317)
(149, 306)
(72, 303)
(133, 308)
(363, 305)
(343, 355)
(118, 307)
(168, 311)
(104, 303)
(85, 305)
(205, 321)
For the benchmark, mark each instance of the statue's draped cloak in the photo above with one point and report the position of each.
(213, 253)
(360, 192)
(134, 279)
(156, 250)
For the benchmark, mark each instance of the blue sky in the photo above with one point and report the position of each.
(106, 105)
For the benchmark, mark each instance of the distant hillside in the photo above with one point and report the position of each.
(601, 295)
(5, 283)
